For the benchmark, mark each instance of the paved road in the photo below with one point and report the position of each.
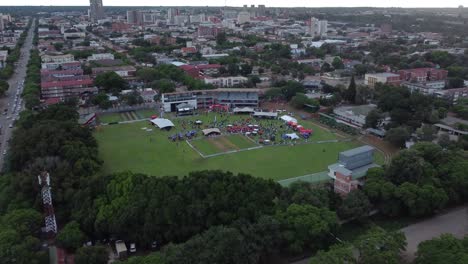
(12, 101)
(454, 222)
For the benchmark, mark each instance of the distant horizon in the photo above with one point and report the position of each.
(240, 3)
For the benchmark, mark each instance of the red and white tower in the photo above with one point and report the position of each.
(50, 223)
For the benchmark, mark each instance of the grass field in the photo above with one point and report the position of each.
(129, 147)
(208, 146)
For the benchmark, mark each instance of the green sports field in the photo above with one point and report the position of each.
(132, 147)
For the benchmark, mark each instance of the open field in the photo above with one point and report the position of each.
(129, 147)
(213, 145)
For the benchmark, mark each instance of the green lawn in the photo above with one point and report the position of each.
(129, 147)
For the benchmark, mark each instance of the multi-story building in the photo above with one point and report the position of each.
(352, 165)
(427, 87)
(122, 71)
(232, 97)
(57, 58)
(101, 56)
(317, 27)
(231, 81)
(208, 31)
(96, 10)
(353, 115)
(423, 75)
(371, 79)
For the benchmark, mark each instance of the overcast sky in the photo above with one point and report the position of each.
(271, 3)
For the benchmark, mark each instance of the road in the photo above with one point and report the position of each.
(12, 100)
(454, 222)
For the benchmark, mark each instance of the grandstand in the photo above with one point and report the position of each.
(232, 97)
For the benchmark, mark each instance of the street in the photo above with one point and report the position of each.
(12, 101)
(454, 222)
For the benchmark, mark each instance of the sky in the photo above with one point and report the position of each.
(271, 3)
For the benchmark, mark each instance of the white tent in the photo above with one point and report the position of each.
(162, 123)
(292, 136)
(287, 118)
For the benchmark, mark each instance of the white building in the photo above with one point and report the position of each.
(3, 57)
(101, 56)
(226, 81)
(58, 58)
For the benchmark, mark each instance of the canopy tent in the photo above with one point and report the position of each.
(162, 123)
(287, 118)
(184, 109)
(211, 131)
(265, 114)
(292, 136)
(243, 110)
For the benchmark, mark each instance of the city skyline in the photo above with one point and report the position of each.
(237, 3)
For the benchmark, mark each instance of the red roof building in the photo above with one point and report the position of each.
(423, 74)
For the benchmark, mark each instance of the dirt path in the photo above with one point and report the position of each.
(218, 144)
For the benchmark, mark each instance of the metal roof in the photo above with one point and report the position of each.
(355, 151)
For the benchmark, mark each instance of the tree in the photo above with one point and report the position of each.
(397, 136)
(300, 100)
(373, 118)
(355, 205)
(102, 100)
(337, 63)
(443, 249)
(326, 67)
(163, 86)
(380, 246)
(307, 227)
(91, 255)
(71, 237)
(133, 98)
(24, 221)
(350, 93)
(110, 82)
(337, 254)
(4, 86)
(15, 248)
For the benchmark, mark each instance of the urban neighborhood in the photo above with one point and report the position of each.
(236, 133)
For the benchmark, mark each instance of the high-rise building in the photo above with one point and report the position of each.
(96, 10)
(131, 16)
(243, 17)
(317, 28)
(171, 14)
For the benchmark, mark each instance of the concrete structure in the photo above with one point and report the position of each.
(96, 10)
(3, 58)
(232, 97)
(243, 17)
(57, 58)
(122, 71)
(317, 28)
(423, 75)
(353, 115)
(428, 88)
(226, 81)
(371, 79)
(101, 56)
(352, 165)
